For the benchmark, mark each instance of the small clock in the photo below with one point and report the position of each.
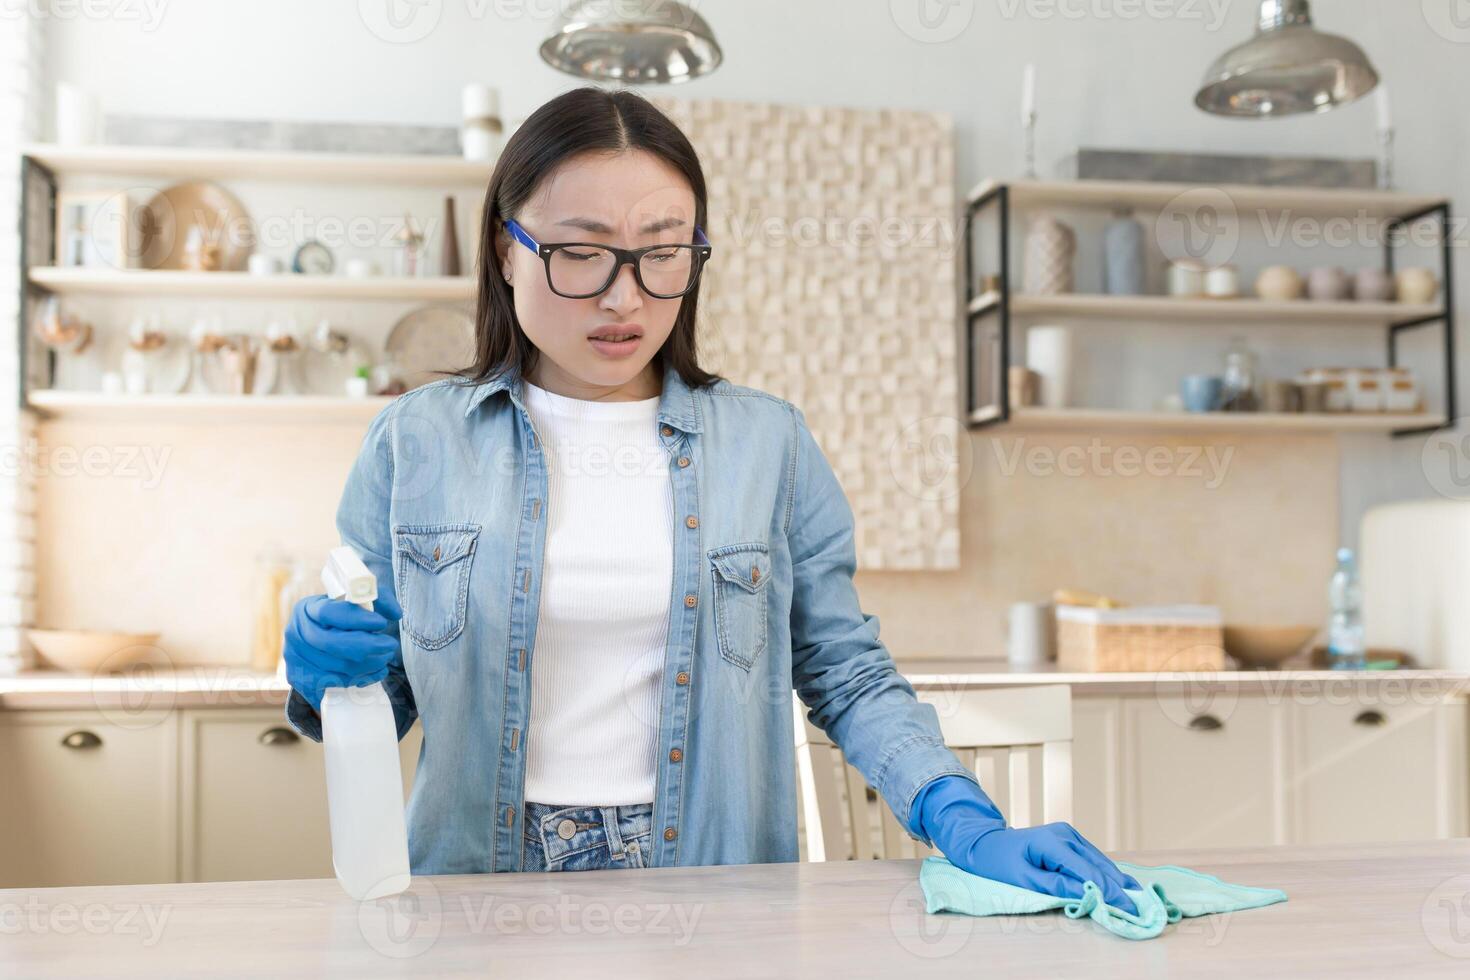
(313, 258)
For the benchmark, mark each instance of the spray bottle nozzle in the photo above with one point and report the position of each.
(346, 577)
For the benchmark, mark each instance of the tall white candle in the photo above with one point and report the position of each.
(1385, 112)
(1028, 94)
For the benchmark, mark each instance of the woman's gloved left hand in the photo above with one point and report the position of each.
(1053, 859)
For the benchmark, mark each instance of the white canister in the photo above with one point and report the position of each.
(1186, 279)
(78, 116)
(1049, 354)
(480, 128)
(1222, 282)
(1402, 391)
(1365, 390)
(1029, 640)
(263, 265)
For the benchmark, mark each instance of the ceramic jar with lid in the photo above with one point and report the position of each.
(1418, 285)
(1279, 283)
(1328, 284)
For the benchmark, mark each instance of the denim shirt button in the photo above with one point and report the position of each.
(667, 431)
(682, 677)
(690, 599)
(691, 521)
(566, 829)
(683, 460)
(670, 833)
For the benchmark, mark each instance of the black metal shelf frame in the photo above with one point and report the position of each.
(999, 198)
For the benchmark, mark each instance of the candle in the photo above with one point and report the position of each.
(1028, 94)
(1385, 114)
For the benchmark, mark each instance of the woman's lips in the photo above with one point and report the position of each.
(611, 348)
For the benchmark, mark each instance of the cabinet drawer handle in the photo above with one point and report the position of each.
(1370, 718)
(278, 736)
(81, 739)
(1205, 723)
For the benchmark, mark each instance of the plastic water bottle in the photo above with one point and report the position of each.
(364, 779)
(1345, 630)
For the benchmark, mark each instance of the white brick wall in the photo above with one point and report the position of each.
(21, 101)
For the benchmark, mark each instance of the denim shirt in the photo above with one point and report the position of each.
(446, 505)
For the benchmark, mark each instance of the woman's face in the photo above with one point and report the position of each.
(629, 200)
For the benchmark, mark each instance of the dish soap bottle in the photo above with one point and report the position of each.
(364, 780)
(1345, 629)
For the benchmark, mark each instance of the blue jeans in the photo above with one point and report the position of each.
(585, 838)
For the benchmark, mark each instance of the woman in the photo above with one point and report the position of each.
(602, 569)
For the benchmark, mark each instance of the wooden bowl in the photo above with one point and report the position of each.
(92, 651)
(1266, 646)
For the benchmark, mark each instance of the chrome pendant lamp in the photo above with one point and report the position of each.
(1288, 68)
(659, 43)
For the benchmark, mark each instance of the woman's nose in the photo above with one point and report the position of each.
(623, 295)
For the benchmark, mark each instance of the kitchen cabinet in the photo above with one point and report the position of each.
(89, 797)
(254, 797)
(1203, 774)
(1096, 740)
(1379, 769)
(214, 792)
(201, 794)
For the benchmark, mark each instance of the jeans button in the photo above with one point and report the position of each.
(566, 829)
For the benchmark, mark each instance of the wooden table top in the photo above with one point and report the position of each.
(1362, 910)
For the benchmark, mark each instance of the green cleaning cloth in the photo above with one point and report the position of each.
(1169, 894)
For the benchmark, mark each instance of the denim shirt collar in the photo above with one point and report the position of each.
(677, 405)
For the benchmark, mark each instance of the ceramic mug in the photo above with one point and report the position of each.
(1201, 392)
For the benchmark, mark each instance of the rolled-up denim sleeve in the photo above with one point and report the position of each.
(840, 668)
(363, 523)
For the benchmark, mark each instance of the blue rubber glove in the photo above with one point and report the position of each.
(334, 643)
(955, 814)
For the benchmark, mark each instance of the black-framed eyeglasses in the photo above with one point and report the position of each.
(578, 270)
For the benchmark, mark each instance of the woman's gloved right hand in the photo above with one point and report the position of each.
(334, 643)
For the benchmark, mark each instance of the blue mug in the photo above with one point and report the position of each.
(1201, 392)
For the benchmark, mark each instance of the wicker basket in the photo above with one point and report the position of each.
(1140, 638)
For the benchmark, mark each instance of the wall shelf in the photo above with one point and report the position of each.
(91, 406)
(1096, 419)
(994, 309)
(1148, 195)
(175, 282)
(422, 170)
(1236, 311)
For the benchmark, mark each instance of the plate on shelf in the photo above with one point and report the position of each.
(431, 340)
(165, 221)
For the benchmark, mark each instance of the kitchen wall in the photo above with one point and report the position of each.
(1256, 537)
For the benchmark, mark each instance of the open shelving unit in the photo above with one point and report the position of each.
(43, 164)
(178, 282)
(1000, 305)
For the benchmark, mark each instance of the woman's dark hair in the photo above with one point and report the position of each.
(582, 120)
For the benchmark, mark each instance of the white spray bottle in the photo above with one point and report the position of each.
(364, 780)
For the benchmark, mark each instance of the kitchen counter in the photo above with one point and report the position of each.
(1365, 910)
(216, 686)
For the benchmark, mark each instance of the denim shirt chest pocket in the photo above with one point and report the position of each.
(434, 580)
(741, 576)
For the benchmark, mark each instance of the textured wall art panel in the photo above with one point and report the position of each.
(834, 286)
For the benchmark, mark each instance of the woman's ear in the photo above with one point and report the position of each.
(502, 252)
